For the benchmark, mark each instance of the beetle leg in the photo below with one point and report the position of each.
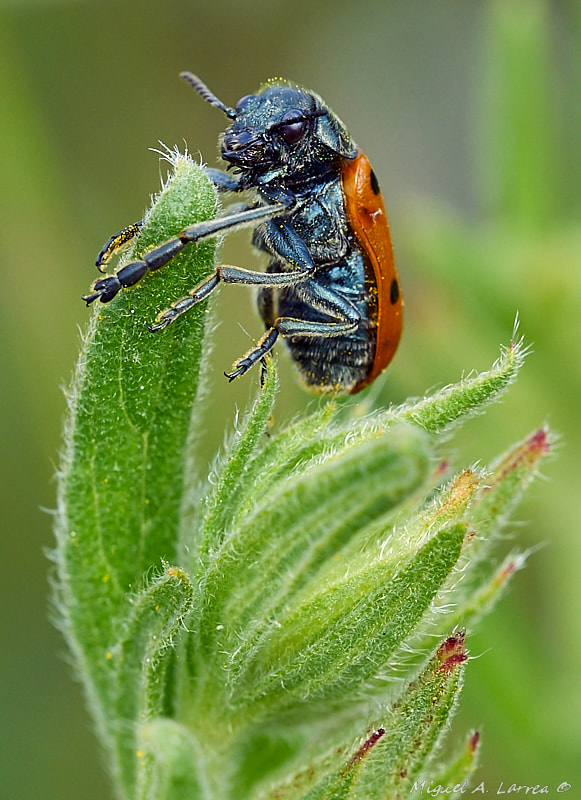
(345, 318)
(222, 181)
(279, 237)
(287, 326)
(227, 275)
(116, 242)
(264, 346)
(246, 216)
(105, 289)
(338, 308)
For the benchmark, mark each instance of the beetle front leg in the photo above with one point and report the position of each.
(116, 242)
(222, 181)
(106, 289)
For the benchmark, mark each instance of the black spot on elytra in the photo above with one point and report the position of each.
(394, 291)
(374, 182)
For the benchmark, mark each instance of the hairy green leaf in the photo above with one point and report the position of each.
(328, 645)
(130, 404)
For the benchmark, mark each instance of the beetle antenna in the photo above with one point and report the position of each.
(209, 96)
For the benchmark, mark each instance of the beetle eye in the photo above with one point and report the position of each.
(292, 126)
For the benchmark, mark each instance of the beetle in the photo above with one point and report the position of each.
(331, 289)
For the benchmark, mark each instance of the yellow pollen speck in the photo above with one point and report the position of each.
(109, 656)
(139, 753)
(105, 578)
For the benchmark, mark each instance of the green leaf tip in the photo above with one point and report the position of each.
(505, 484)
(341, 784)
(439, 412)
(232, 483)
(510, 476)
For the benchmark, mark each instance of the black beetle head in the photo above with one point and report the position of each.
(282, 132)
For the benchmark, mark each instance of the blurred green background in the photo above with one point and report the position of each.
(470, 113)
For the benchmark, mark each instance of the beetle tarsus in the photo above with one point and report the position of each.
(240, 370)
(242, 365)
(160, 325)
(115, 243)
(90, 298)
(104, 290)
